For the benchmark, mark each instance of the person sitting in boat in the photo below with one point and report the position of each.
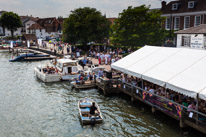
(90, 76)
(80, 75)
(85, 77)
(93, 110)
(77, 81)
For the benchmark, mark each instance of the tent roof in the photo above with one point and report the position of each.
(179, 69)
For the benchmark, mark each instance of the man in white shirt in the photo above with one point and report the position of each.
(113, 60)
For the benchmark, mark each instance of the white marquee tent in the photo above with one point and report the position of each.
(180, 69)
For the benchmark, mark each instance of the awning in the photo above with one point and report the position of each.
(202, 94)
(179, 69)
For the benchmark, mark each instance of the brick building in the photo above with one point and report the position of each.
(183, 14)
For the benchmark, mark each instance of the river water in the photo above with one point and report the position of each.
(29, 107)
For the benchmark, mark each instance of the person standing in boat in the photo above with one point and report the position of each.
(84, 62)
(93, 108)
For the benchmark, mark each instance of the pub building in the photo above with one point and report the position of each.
(194, 37)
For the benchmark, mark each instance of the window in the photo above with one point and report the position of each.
(197, 20)
(186, 41)
(186, 22)
(191, 4)
(168, 24)
(175, 6)
(177, 23)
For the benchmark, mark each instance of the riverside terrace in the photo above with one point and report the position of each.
(166, 79)
(193, 118)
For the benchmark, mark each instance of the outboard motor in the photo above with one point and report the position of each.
(93, 120)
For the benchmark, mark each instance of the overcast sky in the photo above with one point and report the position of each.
(55, 8)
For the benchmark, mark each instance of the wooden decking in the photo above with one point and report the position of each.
(160, 104)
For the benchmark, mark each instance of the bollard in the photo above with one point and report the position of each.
(153, 109)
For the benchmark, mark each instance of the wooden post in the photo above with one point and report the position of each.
(181, 124)
(117, 84)
(153, 109)
(132, 98)
(104, 88)
(197, 105)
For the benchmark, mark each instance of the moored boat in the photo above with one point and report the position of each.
(86, 85)
(65, 69)
(84, 106)
(4, 48)
(30, 56)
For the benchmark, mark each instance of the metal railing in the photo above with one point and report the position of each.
(168, 106)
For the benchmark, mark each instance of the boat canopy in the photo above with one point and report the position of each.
(180, 69)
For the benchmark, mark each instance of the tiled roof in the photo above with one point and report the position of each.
(46, 20)
(35, 26)
(24, 19)
(60, 20)
(112, 20)
(201, 29)
(183, 6)
(29, 36)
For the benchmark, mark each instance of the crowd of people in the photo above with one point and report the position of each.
(84, 77)
(106, 56)
(189, 103)
(50, 70)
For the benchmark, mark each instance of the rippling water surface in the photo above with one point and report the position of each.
(29, 107)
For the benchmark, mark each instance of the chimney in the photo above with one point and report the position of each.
(164, 3)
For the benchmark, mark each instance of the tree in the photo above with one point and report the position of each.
(11, 21)
(85, 25)
(137, 26)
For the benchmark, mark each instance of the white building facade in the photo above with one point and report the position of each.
(194, 37)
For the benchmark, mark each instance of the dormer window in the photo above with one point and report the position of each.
(175, 6)
(191, 4)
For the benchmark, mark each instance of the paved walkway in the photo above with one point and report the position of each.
(50, 47)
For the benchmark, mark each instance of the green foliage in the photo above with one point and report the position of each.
(85, 25)
(138, 26)
(11, 21)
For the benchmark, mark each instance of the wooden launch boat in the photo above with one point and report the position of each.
(84, 106)
(86, 85)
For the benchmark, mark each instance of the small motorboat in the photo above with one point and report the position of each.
(85, 85)
(30, 56)
(84, 106)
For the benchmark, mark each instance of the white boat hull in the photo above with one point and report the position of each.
(4, 50)
(69, 77)
(53, 77)
(47, 77)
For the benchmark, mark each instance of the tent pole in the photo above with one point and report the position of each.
(197, 106)
(142, 84)
(165, 91)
